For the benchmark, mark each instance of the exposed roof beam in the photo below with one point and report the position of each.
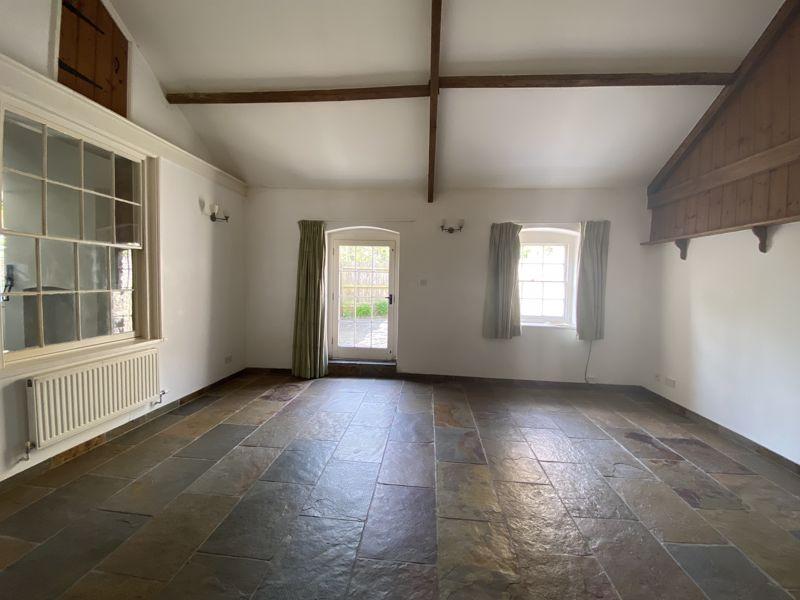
(584, 80)
(773, 31)
(452, 81)
(436, 34)
(333, 95)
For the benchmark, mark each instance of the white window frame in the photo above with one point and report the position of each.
(147, 309)
(567, 235)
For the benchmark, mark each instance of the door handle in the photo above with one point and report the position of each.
(390, 298)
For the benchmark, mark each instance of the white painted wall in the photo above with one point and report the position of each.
(25, 32)
(726, 326)
(440, 324)
(149, 108)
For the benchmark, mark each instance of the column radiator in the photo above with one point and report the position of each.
(64, 403)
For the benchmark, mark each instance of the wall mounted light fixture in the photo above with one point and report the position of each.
(452, 228)
(214, 212)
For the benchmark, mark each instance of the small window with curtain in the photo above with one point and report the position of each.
(547, 274)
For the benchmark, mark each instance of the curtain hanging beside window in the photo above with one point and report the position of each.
(310, 352)
(501, 307)
(592, 279)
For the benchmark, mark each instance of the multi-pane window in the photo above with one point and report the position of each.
(363, 296)
(546, 274)
(71, 225)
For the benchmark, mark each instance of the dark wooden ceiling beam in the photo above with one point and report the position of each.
(583, 80)
(436, 34)
(332, 95)
(782, 18)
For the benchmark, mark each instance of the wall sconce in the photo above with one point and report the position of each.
(214, 212)
(452, 228)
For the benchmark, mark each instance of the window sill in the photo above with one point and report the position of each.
(550, 325)
(73, 358)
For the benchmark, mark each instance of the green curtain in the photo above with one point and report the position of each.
(592, 279)
(310, 352)
(501, 306)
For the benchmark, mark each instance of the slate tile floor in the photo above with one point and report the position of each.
(270, 488)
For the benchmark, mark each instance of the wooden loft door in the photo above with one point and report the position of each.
(93, 54)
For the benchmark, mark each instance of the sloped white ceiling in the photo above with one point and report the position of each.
(487, 138)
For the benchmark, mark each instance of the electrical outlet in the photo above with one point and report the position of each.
(228, 359)
(669, 381)
(658, 377)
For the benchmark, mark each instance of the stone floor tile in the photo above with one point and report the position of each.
(532, 420)
(344, 491)
(196, 405)
(585, 493)
(285, 391)
(407, 463)
(636, 563)
(257, 526)
(641, 444)
(704, 456)
(236, 472)
(50, 514)
(148, 430)
(513, 461)
(278, 432)
(362, 444)
(416, 427)
(560, 577)
(139, 459)
(380, 580)
(153, 491)
(655, 425)
(343, 401)
(493, 425)
(317, 562)
(209, 577)
(773, 549)
(256, 413)
(724, 573)
(414, 403)
(452, 413)
(401, 525)
(611, 460)
(54, 566)
(694, 486)
(18, 497)
(12, 549)
(551, 445)
(476, 560)
(216, 443)
(765, 497)
(301, 462)
(373, 414)
(578, 426)
(606, 418)
(538, 522)
(464, 491)
(456, 444)
(328, 426)
(71, 470)
(159, 549)
(101, 586)
(663, 512)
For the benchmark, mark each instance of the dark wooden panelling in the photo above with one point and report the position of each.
(93, 54)
(743, 168)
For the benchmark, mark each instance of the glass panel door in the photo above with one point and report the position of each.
(363, 300)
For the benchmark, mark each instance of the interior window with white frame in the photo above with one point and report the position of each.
(547, 274)
(70, 239)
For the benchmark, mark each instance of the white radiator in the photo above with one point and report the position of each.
(64, 403)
